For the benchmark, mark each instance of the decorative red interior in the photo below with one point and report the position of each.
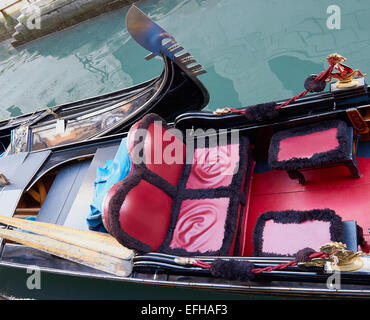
(288, 238)
(200, 213)
(307, 145)
(151, 212)
(330, 188)
(213, 167)
(146, 211)
(164, 153)
(200, 225)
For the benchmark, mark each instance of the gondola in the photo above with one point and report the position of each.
(292, 225)
(176, 90)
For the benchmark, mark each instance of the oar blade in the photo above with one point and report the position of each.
(95, 241)
(90, 258)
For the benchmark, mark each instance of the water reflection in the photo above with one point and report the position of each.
(14, 111)
(254, 51)
(288, 69)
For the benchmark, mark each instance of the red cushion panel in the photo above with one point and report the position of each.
(164, 153)
(307, 145)
(311, 145)
(213, 167)
(200, 225)
(283, 233)
(287, 239)
(145, 214)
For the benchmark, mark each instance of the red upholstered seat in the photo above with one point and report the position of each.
(312, 146)
(308, 145)
(283, 233)
(170, 206)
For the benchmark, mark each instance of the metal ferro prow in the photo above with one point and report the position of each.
(158, 41)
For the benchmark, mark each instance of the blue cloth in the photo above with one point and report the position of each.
(114, 170)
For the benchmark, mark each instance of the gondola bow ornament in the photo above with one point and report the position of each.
(339, 258)
(158, 41)
(346, 77)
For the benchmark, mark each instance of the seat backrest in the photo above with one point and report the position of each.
(168, 205)
(137, 210)
(207, 207)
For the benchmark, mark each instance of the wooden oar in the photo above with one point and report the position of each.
(95, 241)
(90, 258)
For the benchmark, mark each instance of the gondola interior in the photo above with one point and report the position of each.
(263, 184)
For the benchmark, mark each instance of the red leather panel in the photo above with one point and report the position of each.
(213, 167)
(145, 214)
(288, 238)
(201, 225)
(164, 153)
(306, 146)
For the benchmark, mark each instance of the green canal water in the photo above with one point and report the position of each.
(254, 51)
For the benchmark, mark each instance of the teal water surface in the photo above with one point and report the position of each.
(254, 51)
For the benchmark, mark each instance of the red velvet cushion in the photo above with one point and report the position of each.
(307, 145)
(213, 167)
(283, 233)
(311, 145)
(200, 225)
(208, 211)
(287, 239)
(145, 214)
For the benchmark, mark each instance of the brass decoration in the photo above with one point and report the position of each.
(346, 75)
(339, 258)
(221, 111)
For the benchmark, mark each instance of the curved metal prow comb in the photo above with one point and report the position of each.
(158, 41)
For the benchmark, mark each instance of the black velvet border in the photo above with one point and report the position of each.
(232, 192)
(335, 155)
(293, 216)
(262, 111)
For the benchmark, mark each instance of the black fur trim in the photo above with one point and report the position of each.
(232, 269)
(339, 154)
(232, 192)
(262, 111)
(303, 255)
(314, 86)
(292, 216)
